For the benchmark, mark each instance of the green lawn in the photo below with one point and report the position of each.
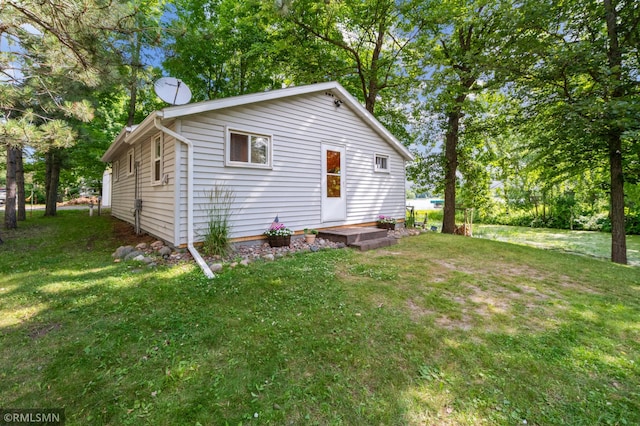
(589, 243)
(439, 329)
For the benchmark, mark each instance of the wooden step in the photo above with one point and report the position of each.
(349, 236)
(374, 244)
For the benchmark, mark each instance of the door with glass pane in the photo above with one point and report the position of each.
(334, 194)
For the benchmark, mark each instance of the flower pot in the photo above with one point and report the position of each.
(279, 241)
(310, 238)
(387, 225)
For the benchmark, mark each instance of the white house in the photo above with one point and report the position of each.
(312, 155)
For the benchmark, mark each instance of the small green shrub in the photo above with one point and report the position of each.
(219, 206)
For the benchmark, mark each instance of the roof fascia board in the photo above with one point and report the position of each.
(177, 111)
(117, 143)
(189, 109)
(182, 110)
(367, 116)
(146, 125)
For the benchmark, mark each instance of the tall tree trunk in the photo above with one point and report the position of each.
(133, 83)
(614, 56)
(618, 237)
(22, 211)
(47, 176)
(53, 163)
(451, 157)
(10, 219)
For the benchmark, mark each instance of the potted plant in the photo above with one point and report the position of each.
(386, 222)
(278, 235)
(310, 235)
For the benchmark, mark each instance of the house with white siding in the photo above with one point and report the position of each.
(312, 155)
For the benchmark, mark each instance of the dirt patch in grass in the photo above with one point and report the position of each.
(43, 330)
(491, 309)
(568, 284)
(464, 323)
(417, 312)
(125, 234)
(449, 265)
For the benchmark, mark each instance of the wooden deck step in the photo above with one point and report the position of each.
(349, 236)
(360, 238)
(374, 244)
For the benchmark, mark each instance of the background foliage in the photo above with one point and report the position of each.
(527, 95)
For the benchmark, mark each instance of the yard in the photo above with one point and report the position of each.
(439, 329)
(587, 243)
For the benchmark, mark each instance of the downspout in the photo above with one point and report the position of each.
(203, 265)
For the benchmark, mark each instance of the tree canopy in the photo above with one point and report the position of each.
(527, 102)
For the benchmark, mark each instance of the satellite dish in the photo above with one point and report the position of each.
(172, 90)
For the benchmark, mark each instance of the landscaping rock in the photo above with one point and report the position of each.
(216, 267)
(239, 255)
(177, 257)
(164, 251)
(122, 251)
(132, 255)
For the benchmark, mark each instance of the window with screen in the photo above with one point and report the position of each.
(381, 163)
(248, 149)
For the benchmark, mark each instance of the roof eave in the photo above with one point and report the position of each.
(128, 136)
(115, 145)
(216, 104)
(367, 116)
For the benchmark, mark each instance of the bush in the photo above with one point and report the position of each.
(631, 224)
(219, 209)
(593, 222)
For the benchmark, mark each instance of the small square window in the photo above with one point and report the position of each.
(381, 163)
(248, 149)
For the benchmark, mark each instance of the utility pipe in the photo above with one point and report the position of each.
(203, 265)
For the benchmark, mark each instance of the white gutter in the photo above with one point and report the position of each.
(203, 265)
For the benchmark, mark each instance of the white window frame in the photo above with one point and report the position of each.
(115, 171)
(375, 163)
(131, 158)
(157, 158)
(250, 134)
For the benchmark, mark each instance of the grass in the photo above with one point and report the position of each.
(439, 329)
(590, 243)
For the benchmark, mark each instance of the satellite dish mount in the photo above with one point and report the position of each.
(172, 90)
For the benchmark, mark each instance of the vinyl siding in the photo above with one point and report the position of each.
(122, 190)
(291, 189)
(157, 214)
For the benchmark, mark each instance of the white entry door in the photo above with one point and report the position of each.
(334, 191)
